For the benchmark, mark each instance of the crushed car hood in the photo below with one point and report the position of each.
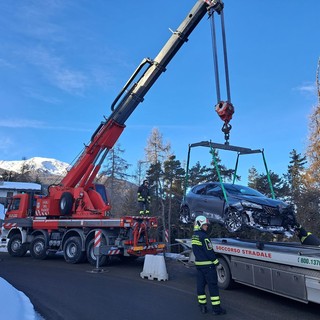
(260, 200)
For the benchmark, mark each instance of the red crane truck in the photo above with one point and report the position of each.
(67, 218)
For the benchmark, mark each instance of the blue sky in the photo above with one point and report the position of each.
(62, 63)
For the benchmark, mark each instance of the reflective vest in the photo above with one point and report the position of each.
(203, 249)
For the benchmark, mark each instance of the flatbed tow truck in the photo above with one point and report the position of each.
(288, 269)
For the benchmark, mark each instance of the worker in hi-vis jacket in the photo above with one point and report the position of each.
(144, 198)
(206, 262)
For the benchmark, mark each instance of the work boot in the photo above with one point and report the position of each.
(218, 311)
(203, 308)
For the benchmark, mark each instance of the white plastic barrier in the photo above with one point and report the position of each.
(154, 268)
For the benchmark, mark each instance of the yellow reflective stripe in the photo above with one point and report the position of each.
(215, 300)
(202, 299)
(216, 261)
(203, 263)
(208, 244)
(196, 242)
(304, 238)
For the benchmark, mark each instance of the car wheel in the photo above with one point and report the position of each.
(185, 215)
(233, 220)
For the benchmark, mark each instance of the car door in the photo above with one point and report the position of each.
(196, 199)
(213, 202)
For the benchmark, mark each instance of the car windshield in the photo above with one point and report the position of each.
(243, 190)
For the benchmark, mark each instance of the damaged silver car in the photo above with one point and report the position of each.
(236, 206)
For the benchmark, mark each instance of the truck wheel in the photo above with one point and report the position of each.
(38, 248)
(15, 246)
(72, 250)
(225, 280)
(66, 203)
(103, 259)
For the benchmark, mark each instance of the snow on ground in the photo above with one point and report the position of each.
(14, 304)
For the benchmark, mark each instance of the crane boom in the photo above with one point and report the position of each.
(75, 214)
(87, 166)
(77, 195)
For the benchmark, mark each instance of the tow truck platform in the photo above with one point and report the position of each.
(284, 268)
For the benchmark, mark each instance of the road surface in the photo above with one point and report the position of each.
(61, 291)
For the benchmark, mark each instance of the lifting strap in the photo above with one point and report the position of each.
(215, 162)
(225, 109)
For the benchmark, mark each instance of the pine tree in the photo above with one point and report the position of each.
(115, 171)
(260, 182)
(173, 176)
(197, 174)
(253, 178)
(295, 175)
(157, 205)
(212, 172)
(156, 152)
(154, 174)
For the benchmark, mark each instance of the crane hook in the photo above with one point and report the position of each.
(225, 110)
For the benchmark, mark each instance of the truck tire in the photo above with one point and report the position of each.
(66, 203)
(225, 280)
(38, 248)
(72, 250)
(103, 259)
(15, 246)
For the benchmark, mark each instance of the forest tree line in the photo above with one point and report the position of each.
(300, 185)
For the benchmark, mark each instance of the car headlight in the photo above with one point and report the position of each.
(251, 205)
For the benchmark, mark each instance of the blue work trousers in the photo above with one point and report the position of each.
(207, 276)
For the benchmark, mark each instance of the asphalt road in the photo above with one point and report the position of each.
(61, 291)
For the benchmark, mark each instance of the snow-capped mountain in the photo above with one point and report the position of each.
(36, 165)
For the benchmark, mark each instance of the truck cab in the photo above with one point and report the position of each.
(21, 206)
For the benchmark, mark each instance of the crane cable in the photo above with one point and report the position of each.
(225, 109)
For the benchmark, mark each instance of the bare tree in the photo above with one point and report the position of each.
(156, 150)
(313, 151)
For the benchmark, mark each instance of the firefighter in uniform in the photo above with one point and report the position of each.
(206, 262)
(307, 238)
(144, 198)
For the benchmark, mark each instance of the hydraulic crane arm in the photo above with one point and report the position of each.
(88, 164)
